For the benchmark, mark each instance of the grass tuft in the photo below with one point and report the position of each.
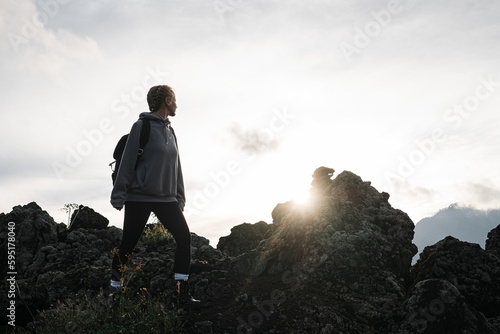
(139, 313)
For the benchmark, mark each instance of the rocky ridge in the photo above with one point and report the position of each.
(341, 264)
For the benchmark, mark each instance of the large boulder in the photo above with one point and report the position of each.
(322, 181)
(53, 262)
(34, 229)
(244, 238)
(473, 271)
(85, 217)
(338, 263)
(437, 306)
(493, 241)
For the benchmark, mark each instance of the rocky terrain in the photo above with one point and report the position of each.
(341, 264)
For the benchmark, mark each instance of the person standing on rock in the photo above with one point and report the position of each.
(152, 182)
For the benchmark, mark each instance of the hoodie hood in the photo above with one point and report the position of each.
(154, 117)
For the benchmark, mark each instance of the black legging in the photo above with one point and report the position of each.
(136, 217)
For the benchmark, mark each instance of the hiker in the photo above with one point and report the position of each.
(150, 180)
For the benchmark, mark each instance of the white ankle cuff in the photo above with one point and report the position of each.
(116, 284)
(181, 277)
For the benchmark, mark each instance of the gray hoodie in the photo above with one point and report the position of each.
(158, 174)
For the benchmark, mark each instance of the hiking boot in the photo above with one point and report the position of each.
(112, 294)
(183, 298)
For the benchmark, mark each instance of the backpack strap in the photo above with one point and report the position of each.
(146, 129)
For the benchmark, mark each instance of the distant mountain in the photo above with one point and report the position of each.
(463, 223)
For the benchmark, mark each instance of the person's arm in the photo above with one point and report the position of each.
(181, 197)
(126, 172)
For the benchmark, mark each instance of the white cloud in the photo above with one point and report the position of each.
(481, 194)
(253, 141)
(30, 45)
(360, 116)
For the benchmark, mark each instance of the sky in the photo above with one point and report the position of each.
(405, 94)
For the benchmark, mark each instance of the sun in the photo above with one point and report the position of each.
(290, 188)
(300, 197)
(297, 193)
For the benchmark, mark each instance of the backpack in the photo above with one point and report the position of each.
(120, 147)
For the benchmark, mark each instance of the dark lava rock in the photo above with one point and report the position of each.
(436, 306)
(51, 261)
(474, 272)
(34, 229)
(86, 217)
(493, 241)
(341, 264)
(338, 264)
(244, 238)
(322, 181)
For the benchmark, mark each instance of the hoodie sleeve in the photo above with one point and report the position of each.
(126, 172)
(181, 197)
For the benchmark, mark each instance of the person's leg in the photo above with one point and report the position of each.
(136, 217)
(172, 218)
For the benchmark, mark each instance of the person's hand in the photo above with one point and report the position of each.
(118, 205)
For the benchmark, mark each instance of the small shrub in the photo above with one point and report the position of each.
(139, 313)
(128, 270)
(156, 235)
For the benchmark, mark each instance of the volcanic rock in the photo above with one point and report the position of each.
(437, 306)
(340, 264)
(85, 217)
(493, 241)
(474, 272)
(244, 238)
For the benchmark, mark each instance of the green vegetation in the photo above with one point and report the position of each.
(140, 313)
(120, 312)
(156, 235)
(129, 310)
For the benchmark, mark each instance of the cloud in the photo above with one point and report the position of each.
(483, 195)
(31, 44)
(82, 57)
(412, 192)
(254, 140)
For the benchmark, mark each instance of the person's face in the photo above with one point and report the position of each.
(171, 106)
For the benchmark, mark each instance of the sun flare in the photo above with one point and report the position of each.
(300, 197)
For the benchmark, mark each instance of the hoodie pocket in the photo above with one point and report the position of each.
(141, 176)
